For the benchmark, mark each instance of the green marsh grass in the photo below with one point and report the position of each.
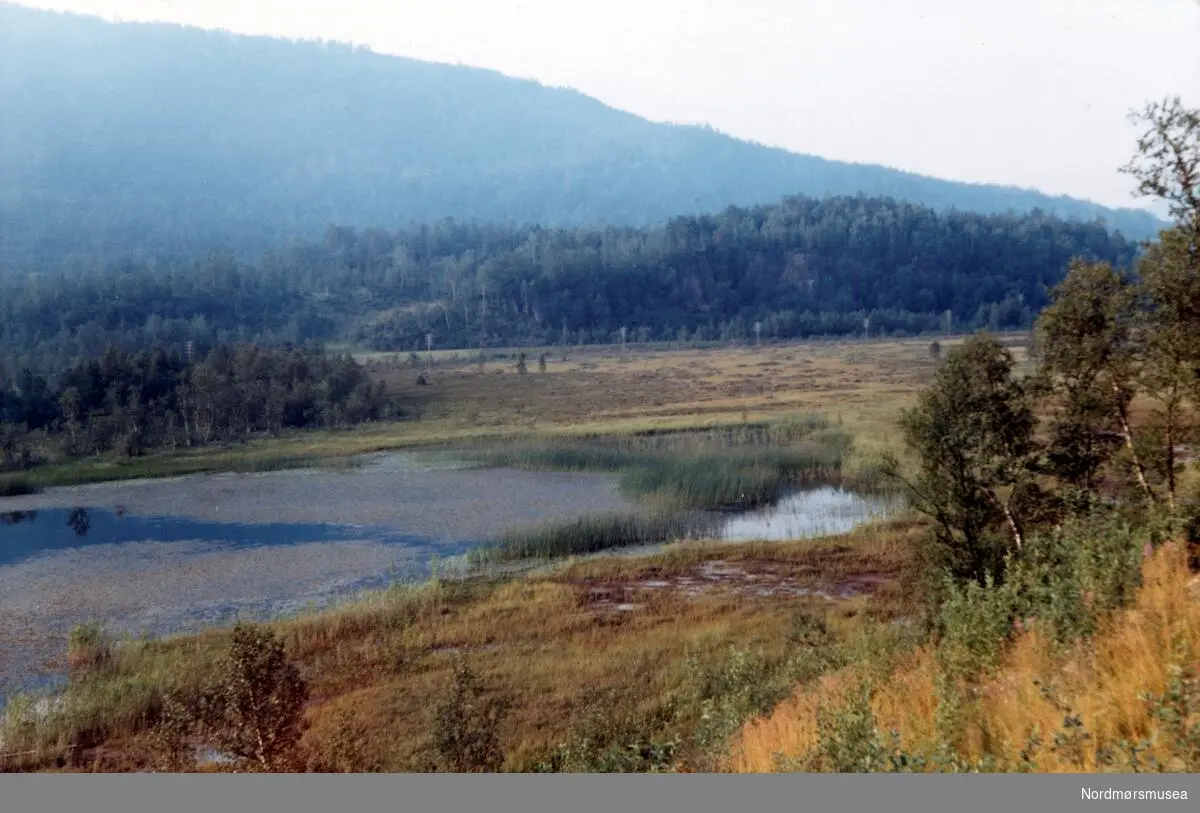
(586, 535)
(729, 467)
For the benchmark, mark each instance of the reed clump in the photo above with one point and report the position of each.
(587, 535)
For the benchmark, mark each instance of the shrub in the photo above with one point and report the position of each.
(252, 711)
(466, 727)
(974, 623)
(608, 735)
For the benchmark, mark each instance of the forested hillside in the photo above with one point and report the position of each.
(159, 141)
(801, 268)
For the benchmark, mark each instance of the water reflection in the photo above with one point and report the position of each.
(28, 534)
(79, 521)
(809, 514)
(15, 517)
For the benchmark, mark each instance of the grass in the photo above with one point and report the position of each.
(593, 655)
(547, 642)
(746, 466)
(738, 479)
(1126, 701)
(741, 466)
(597, 394)
(752, 657)
(586, 535)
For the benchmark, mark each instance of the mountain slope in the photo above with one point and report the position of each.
(135, 138)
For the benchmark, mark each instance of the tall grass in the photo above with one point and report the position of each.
(114, 688)
(743, 466)
(1126, 700)
(586, 535)
(737, 479)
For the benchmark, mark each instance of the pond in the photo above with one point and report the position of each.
(166, 556)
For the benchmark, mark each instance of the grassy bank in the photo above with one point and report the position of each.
(582, 677)
(548, 448)
(597, 394)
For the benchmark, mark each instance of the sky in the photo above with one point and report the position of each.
(1033, 93)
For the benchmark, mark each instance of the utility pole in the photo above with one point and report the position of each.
(949, 317)
(758, 334)
(429, 351)
(623, 341)
(866, 329)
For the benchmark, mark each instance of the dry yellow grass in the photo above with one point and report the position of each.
(1103, 683)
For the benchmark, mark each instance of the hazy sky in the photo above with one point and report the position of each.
(1025, 92)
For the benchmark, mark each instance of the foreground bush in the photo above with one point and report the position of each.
(1126, 700)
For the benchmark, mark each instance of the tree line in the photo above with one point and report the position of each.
(804, 267)
(130, 402)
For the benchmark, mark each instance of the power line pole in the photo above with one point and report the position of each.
(429, 351)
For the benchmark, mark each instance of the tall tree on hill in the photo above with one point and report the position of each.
(1167, 162)
(1089, 372)
(973, 434)
(1168, 167)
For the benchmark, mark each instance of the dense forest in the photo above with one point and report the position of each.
(128, 403)
(804, 267)
(161, 142)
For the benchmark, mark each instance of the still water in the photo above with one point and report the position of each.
(809, 514)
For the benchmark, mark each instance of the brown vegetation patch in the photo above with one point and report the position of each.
(753, 579)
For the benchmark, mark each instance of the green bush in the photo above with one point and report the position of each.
(608, 734)
(974, 623)
(466, 727)
(253, 709)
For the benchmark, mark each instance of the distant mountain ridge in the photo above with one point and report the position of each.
(161, 140)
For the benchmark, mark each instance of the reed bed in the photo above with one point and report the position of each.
(731, 467)
(588, 535)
